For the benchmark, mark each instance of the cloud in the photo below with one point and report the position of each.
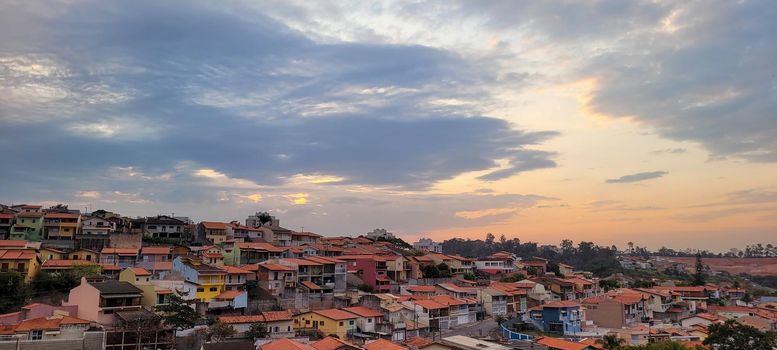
(637, 177)
(670, 151)
(706, 75)
(248, 98)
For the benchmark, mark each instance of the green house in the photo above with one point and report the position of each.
(28, 226)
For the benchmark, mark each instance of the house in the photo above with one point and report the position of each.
(430, 312)
(36, 310)
(123, 257)
(280, 324)
(565, 270)
(370, 269)
(703, 319)
(215, 232)
(55, 327)
(395, 267)
(426, 244)
(304, 238)
(332, 343)
(95, 233)
(28, 226)
(161, 226)
(535, 264)
(83, 254)
(24, 261)
(561, 344)
(229, 299)
(419, 290)
(367, 318)
(242, 233)
(500, 263)
(6, 222)
(141, 278)
(102, 301)
(333, 272)
(310, 274)
(61, 226)
(562, 317)
(615, 310)
(236, 277)
(51, 254)
(383, 344)
(333, 322)
(156, 259)
(54, 266)
(516, 296)
(276, 278)
(204, 281)
(494, 301)
(284, 344)
(453, 290)
(252, 253)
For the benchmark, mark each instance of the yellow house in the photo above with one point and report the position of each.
(330, 322)
(51, 254)
(141, 278)
(206, 280)
(84, 254)
(24, 261)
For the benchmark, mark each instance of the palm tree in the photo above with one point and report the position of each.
(611, 342)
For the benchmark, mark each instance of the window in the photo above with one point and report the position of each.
(33, 220)
(307, 322)
(36, 334)
(341, 323)
(88, 257)
(5, 267)
(277, 329)
(75, 257)
(20, 267)
(321, 323)
(369, 320)
(288, 328)
(200, 290)
(350, 322)
(213, 289)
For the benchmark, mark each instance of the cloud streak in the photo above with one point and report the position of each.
(637, 177)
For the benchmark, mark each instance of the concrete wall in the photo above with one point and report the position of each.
(90, 341)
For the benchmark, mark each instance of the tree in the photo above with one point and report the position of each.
(258, 330)
(178, 314)
(734, 336)
(220, 331)
(445, 271)
(469, 276)
(515, 277)
(607, 285)
(264, 218)
(490, 238)
(499, 319)
(610, 342)
(364, 287)
(698, 277)
(13, 290)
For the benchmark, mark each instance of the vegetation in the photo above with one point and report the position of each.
(699, 277)
(220, 331)
(14, 291)
(734, 336)
(258, 330)
(178, 314)
(608, 285)
(611, 342)
(436, 271)
(364, 287)
(585, 256)
(515, 277)
(63, 281)
(469, 276)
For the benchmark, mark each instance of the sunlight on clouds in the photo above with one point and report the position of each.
(220, 179)
(254, 197)
(315, 179)
(88, 194)
(298, 198)
(477, 214)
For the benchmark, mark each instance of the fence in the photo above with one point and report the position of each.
(512, 335)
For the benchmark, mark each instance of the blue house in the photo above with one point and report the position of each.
(559, 316)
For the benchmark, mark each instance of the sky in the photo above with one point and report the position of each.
(609, 121)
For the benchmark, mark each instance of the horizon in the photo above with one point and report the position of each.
(646, 121)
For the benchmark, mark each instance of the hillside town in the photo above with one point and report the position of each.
(101, 280)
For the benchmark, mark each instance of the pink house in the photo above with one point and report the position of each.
(37, 310)
(370, 270)
(100, 301)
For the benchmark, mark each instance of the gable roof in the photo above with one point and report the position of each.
(332, 343)
(363, 311)
(48, 323)
(561, 344)
(116, 287)
(335, 314)
(383, 344)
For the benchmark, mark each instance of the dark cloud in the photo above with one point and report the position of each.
(710, 77)
(153, 85)
(637, 177)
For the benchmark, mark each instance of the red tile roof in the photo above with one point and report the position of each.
(229, 294)
(363, 311)
(383, 344)
(310, 285)
(120, 251)
(561, 344)
(276, 267)
(62, 216)
(66, 264)
(17, 254)
(16, 243)
(335, 314)
(563, 303)
(331, 343)
(155, 250)
(48, 323)
(235, 270)
(139, 271)
(420, 289)
(212, 225)
(285, 344)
